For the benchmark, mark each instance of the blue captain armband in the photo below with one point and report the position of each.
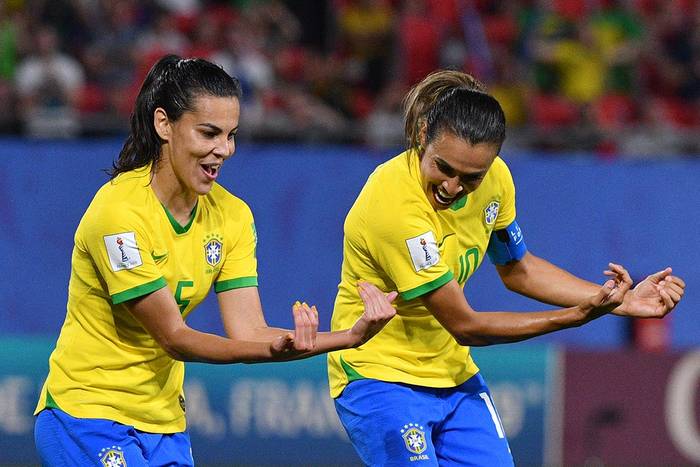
(506, 245)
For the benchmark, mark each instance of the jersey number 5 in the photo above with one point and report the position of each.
(182, 302)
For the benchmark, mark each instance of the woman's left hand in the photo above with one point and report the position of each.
(303, 339)
(654, 297)
(378, 312)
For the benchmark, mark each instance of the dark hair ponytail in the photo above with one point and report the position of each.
(454, 101)
(172, 84)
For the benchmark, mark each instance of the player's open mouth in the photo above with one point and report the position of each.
(442, 197)
(211, 170)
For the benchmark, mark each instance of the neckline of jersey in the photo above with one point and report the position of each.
(177, 227)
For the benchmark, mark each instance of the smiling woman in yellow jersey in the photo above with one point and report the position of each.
(149, 248)
(422, 225)
(127, 246)
(423, 249)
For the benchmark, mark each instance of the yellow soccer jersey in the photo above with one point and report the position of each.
(396, 240)
(127, 245)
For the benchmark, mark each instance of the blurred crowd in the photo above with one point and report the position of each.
(613, 77)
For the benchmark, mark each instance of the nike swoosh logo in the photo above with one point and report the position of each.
(158, 257)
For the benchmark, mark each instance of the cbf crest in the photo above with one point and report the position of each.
(491, 212)
(213, 247)
(414, 438)
(112, 457)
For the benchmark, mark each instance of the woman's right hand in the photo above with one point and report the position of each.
(378, 312)
(610, 295)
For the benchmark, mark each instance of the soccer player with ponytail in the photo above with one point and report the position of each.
(422, 224)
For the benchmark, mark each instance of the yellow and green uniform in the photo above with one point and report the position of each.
(396, 240)
(106, 365)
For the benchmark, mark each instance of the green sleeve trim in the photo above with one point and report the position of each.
(352, 374)
(50, 403)
(139, 291)
(429, 287)
(223, 286)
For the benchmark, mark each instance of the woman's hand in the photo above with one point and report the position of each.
(378, 312)
(303, 339)
(654, 297)
(610, 296)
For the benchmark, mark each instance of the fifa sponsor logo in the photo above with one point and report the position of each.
(414, 440)
(491, 212)
(424, 245)
(112, 457)
(122, 250)
(120, 245)
(423, 250)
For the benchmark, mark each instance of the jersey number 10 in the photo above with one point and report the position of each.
(467, 264)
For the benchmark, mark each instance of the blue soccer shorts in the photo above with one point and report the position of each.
(65, 441)
(394, 424)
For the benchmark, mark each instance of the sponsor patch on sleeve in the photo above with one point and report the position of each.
(123, 251)
(424, 251)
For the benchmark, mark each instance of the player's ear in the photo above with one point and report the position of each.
(422, 134)
(161, 123)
